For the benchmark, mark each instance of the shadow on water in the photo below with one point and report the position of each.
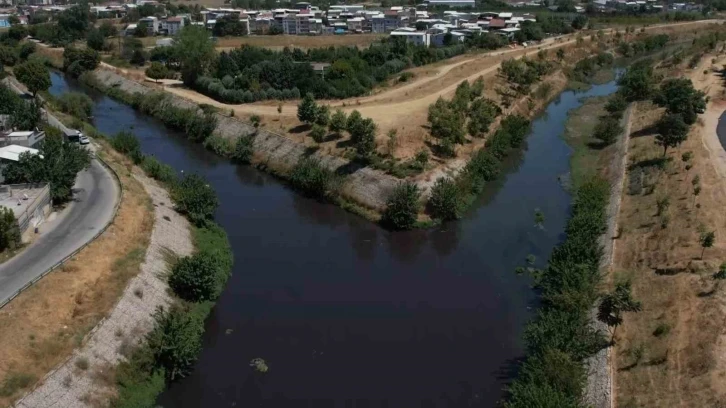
(349, 315)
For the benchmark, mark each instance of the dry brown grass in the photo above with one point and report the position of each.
(42, 326)
(278, 42)
(669, 354)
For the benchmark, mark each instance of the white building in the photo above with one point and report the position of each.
(451, 3)
(412, 36)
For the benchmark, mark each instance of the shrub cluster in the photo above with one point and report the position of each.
(127, 143)
(223, 90)
(561, 337)
(448, 118)
(195, 198)
(76, 104)
(198, 126)
(449, 197)
(587, 67)
(524, 72)
(313, 179)
(402, 207)
(9, 229)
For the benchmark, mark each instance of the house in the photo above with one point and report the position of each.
(10, 154)
(450, 3)
(174, 25)
(378, 24)
(412, 36)
(508, 32)
(355, 24)
(152, 24)
(28, 138)
(130, 30)
(497, 24)
(301, 24)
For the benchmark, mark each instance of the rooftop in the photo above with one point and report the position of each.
(19, 197)
(13, 152)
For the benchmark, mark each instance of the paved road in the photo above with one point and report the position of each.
(94, 198)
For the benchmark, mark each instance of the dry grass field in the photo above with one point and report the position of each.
(671, 353)
(42, 326)
(278, 42)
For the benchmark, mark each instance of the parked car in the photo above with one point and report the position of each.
(83, 139)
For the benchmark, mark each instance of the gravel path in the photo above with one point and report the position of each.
(599, 389)
(76, 384)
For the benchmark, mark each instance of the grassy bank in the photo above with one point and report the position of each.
(171, 348)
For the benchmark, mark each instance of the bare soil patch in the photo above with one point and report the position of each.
(42, 326)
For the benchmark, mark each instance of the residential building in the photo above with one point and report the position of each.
(152, 24)
(174, 25)
(412, 36)
(25, 139)
(450, 3)
(301, 24)
(355, 24)
(10, 154)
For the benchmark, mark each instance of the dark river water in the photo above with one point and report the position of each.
(349, 315)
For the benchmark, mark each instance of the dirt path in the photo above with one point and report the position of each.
(397, 104)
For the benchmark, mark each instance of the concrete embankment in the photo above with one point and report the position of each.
(363, 185)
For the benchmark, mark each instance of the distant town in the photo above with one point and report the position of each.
(454, 19)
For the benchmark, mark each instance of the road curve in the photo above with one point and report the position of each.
(94, 198)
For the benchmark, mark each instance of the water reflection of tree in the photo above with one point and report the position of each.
(445, 238)
(318, 213)
(405, 246)
(249, 176)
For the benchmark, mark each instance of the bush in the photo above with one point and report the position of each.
(313, 179)
(318, 133)
(561, 336)
(243, 149)
(402, 207)
(9, 229)
(76, 104)
(196, 278)
(446, 200)
(219, 145)
(127, 143)
(158, 171)
(175, 342)
(616, 105)
(195, 199)
(608, 129)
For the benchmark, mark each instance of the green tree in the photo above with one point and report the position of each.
(614, 304)
(616, 105)
(195, 198)
(402, 207)
(481, 115)
(95, 40)
(318, 133)
(175, 342)
(76, 104)
(445, 122)
(560, 54)
(446, 199)
(57, 163)
(307, 109)
(607, 129)
(157, 71)
(141, 30)
(34, 75)
(672, 131)
(638, 82)
(364, 136)
(322, 116)
(26, 50)
(194, 50)
(677, 95)
(9, 229)
(196, 278)
(706, 239)
(17, 32)
(107, 29)
(337, 121)
(128, 144)
(353, 121)
(243, 149)
(25, 115)
(78, 60)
